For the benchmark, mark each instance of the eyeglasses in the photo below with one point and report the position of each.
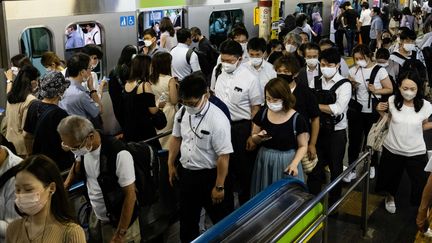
(76, 147)
(187, 103)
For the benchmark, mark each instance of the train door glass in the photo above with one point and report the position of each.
(309, 9)
(34, 42)
(78, 35)
(152, 19)
(222, 22)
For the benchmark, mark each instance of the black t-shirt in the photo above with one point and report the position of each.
(42, 121)
(306, 102)
(282, 134)
(350, 19)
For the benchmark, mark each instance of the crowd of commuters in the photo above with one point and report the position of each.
(242, 117)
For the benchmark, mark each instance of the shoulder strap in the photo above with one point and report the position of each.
(8, 175)
(399, 55)
(317, 83)
(218, 71)
(182, 112)
(295, 124)
(374, 74)
(263, 115)
(338, 84)
(189, 55)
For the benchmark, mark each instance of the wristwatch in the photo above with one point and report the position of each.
(121, 232)
(219, 188)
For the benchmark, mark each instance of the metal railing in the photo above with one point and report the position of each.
(364, 159)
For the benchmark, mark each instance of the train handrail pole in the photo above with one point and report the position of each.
(327, 210)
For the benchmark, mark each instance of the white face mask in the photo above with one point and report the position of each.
(362, 63)
(290, 48)
(148, 43)
(195, 110)
(408, 94)
(409, 47)
(276, 106)
(82, 151)
(228, 67)
(328, 72)
(30, 203)
(383, 64)
(244, 46)
(15, 70)
(256, 61)
(312, 62)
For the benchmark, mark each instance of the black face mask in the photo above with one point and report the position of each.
(195, 40)
(387, 40)
(287, 78)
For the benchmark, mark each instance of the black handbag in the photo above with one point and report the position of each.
(159, 120)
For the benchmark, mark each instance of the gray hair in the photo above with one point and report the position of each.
(295, 37)
(77, 127)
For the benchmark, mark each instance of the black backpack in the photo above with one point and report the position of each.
(327, 97)
(412, 64)
(146, 165)
(206, 62)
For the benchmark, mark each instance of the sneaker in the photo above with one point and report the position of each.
(349, 177)
(390, 205)
(372, 172)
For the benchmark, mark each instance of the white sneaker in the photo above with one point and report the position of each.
(349, 177)
(372, 172)
(390, 205)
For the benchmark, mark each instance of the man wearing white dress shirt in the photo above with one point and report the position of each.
(201, 133)
(180, 67)
(239, 89)
(331, 139)
(257, 65)
(311, 71)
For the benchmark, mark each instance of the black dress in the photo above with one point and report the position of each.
(137, 124)
(42, 121)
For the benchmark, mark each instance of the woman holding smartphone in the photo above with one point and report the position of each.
(283, 135)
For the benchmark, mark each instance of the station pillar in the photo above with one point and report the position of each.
(265, 7)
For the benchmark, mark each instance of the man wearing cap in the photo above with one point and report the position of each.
(43, 117)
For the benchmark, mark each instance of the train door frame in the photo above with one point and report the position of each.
(104, 69)
(51, 44)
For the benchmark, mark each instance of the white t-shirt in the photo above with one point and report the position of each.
(405, 134)
(124, 170)
(365, 17)
(361, 76)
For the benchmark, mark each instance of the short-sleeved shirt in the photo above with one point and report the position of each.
(283, 138)
(42, 121)
(376, 25)
(350, 17)
(76, 101)
(125, 172)
(365, 17)
(205, 136)
(264, 73)
(306, 102)
(239, 91)
(405, 134)
(361, 76)
(180, 67)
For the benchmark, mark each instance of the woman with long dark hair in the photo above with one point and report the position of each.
(164, 87)
(18, 101)
(404, 147)
(168, 39)
(43, 203)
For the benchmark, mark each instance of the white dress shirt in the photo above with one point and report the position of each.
(180, 68)
(361, 76)
(365, 17)
(264, 73)
(239, 90)
(205, 136)
(125, 172)
(343, 96)
(311, 74)
(7, 195)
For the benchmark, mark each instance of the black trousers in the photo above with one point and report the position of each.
(359, 125)
(391, 169)
(365, 34)
(339, 41)
(373, 45)
(241, 161)
(195, 193)
(331, 151)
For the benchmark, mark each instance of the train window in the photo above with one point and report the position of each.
(78, 35)
(309, 9)
(152, 19)
(222, 22)
(34, 42)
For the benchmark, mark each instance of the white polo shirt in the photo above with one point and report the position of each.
(361, 76)
(239, 91)
(264, 73)
(343, 96)
(180, 68)
(205, 136)
(125, 172)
